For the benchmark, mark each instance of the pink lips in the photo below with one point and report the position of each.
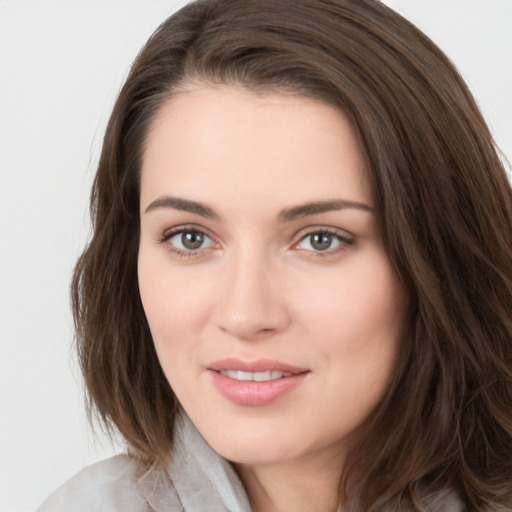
(254, 393)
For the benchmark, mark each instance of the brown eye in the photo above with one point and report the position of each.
(192, 240)
(189, 240)
(321, 241)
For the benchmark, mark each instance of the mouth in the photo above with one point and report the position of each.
(254, 383)
(254, 376)
(260, 366)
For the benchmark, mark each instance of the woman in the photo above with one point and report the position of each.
(297, 295)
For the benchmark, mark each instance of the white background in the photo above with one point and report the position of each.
(61, 66)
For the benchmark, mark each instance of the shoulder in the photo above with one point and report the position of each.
(107, 486)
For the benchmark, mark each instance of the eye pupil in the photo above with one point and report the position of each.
(321, 241)
(192, 239)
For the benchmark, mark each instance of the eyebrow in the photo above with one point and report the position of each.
(184, 205)
(317, 207)
(286, 215)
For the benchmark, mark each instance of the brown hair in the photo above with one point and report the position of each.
(445, 209)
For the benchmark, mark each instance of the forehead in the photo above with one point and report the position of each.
(220, 142)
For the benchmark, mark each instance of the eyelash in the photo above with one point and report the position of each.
(344, 241)
(170, 233)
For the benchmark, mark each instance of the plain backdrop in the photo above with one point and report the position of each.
(61, 66)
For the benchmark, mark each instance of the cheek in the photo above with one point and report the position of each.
(367, 299)
(366, 331)
(175, 303)
(174, 312)
(357, 320)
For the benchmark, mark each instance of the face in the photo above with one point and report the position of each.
(273, 307)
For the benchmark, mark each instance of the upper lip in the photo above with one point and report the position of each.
(259, 365)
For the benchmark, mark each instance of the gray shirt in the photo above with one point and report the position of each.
(197, 479)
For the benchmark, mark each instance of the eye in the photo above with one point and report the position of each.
(187, 241)
(323, 241)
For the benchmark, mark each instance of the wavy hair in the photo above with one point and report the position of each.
(443, 201)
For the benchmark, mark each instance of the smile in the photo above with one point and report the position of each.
(254, 376)
(254, 383)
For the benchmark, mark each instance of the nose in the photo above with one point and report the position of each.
(251, 305)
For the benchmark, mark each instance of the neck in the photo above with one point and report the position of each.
(290, 486)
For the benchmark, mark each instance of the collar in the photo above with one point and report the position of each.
(196, 478)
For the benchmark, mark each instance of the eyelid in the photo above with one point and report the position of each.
(319, 228)
(346, 239)
(170, 232)
(182, 228)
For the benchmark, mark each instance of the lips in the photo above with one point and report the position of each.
(254, 383)
(254, 376)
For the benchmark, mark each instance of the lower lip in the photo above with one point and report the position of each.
(252, 393)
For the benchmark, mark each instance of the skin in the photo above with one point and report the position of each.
(258, 287)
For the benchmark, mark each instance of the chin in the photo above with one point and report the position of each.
(261, 444)
(255, 454)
